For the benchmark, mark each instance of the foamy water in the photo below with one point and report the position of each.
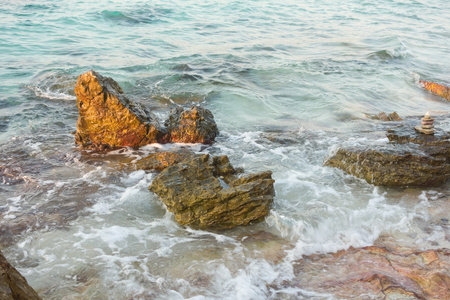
(287, 83)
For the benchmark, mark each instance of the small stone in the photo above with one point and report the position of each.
(427, 126)
(425, 131)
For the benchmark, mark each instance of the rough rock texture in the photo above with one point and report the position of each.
(410, 159)
(369, 272)
(195, 125)
(160, 160)
(204, 192)
(437, 89)
(108, 118)
(14, 286)
(391, 168)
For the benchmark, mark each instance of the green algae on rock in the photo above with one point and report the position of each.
(203, 192)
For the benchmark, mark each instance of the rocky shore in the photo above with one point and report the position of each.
(206, 192)
(410, 158)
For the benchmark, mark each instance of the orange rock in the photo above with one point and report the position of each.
(195, 125)
(437, 89)
(108, 119)
(160, 160)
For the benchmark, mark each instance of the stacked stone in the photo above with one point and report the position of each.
(427, 125)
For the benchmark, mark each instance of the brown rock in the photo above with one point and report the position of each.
(14, 286)
(437, 89)
(378, 273)
(204, 193)
(160, 160)
(195, 125)
(108, 119)
(384, 117)
(380, 166)
(394, 117)
(410, 159)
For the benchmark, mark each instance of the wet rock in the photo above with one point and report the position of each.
(388, 167)
(378, 272)
(437, 89)
(195, 125)
(384, 117)
(14, 286)
(12, 175)
(204, 192)
(410, 159)
(108, 119)
(160, 160)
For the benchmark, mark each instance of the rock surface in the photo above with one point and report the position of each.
(437, 89)
(160, 160)
(14, 286)
(377, 273)
(204, 192)
(384, 117)
(195, 125)
(108, 119)
(410, 159)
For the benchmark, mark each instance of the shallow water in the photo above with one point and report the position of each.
(287, 83)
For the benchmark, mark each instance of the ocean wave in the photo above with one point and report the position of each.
(54, 85)
(143, 15)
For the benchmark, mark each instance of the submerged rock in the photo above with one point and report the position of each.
(14, 286)
(410, 159)
(195, 125)
(204, 192)
(108, 119)
(378, 272)
(437, 89)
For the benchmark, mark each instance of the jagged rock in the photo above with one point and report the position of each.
(195, 125)
(437, 89)
(14, 286)
(160, 160)
(204, 192)
(384, 117)
(377, 272)
(108, 119)
(410, 159)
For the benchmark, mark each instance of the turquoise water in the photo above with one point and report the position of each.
(306, 71)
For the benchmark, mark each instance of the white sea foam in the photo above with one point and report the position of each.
(52, 95)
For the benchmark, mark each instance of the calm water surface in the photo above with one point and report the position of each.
(287, 82)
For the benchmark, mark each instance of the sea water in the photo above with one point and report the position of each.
(287, 82)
